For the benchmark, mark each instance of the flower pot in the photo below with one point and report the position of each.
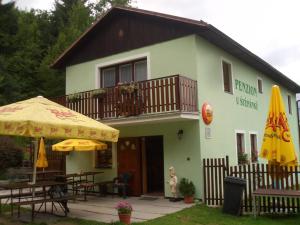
(124, 218)
(188, 199)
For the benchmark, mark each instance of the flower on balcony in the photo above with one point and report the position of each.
(73, 98)
(99, 93)
(243, 158)
(128, 88)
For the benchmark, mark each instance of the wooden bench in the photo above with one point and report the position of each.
(269, 192)
(87, 186)
(60, 201)
(18, 196)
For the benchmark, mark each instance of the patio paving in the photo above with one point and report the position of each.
(103, 208)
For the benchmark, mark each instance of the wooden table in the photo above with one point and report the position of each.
(81, 180)
(35, 197)
(44, 174)
(269, 192)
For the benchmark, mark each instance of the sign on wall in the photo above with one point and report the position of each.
(207, 113)
(248, 95)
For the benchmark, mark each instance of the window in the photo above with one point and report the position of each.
(103, 158)
(140, 71)
(259, 85)
(289, 104)
(108, 77)
(240, 146)
(124, 73)
(253, 141)
(227, 77)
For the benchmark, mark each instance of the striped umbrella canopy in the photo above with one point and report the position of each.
(79, 145)
(39, 117)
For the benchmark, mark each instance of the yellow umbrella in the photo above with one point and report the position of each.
(42, 159)
(40, 117)
(79, 145)
(277, 146)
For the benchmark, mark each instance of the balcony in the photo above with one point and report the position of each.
(150, 98)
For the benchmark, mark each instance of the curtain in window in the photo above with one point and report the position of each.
(140, 71)
(125, 73)
(108, 77)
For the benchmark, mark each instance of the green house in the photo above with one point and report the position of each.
(149, 75)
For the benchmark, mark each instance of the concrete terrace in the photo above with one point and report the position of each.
(102, 209)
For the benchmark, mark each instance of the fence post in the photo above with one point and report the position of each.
(227, 165)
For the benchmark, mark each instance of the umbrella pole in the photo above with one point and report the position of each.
(34, 160)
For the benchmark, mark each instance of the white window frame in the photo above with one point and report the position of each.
(250, 150)
(222, 75)
(235, 137)
(98, 67)
(262, 86)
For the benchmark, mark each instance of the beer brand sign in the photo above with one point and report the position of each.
(207, 113)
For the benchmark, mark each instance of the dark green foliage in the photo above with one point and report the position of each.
(243, 158)
(10, 157)
(30, 41)
(104, 5)
(186, 187)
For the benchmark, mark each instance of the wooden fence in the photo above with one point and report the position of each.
(256, 176)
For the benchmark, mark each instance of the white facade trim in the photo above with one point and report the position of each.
(152, 119)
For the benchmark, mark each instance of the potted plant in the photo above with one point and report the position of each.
(187, 189)
(124, 211)
(99, 93)
(243, 158)
(128, 88)
(74, 98)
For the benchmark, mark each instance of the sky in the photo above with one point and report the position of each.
(268, 28)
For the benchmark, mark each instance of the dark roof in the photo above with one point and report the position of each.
(205, 30)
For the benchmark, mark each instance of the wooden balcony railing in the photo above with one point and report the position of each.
(167, 94)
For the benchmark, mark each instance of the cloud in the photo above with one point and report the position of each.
(268, 28)
(36, 4)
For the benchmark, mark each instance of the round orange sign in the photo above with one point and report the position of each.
(207, 113)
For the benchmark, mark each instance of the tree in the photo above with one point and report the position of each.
(30, 41)
(103, 5)
(8, 30)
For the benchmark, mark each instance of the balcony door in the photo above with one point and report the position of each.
(123, 73)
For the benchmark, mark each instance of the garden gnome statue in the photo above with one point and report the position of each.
(173, 182)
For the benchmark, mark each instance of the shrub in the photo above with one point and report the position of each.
(186, 187)
(10, 157)
(242, 158)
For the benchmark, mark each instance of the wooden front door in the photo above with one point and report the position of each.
(129, 160)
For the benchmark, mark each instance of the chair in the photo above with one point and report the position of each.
(121, 183)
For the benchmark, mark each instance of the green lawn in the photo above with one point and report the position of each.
(198, 215)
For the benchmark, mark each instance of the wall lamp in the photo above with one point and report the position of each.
(180, 134)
